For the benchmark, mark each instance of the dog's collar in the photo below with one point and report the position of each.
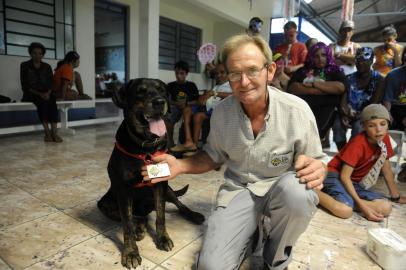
(145, 144)
(147, 158)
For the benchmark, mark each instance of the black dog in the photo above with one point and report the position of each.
(141, 135)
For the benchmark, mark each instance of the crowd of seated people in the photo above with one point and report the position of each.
(337, 80)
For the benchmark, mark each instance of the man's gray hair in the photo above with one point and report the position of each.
(235, 42)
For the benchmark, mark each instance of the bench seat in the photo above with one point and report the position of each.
(63, 108)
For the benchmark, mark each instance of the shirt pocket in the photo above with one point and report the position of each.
(280, 161)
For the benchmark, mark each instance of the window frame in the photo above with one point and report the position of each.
(61, 29)
(178, 41)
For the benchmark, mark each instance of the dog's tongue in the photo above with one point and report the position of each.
(157, 127)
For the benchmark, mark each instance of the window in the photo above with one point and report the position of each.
(178, 41)
(49, 22)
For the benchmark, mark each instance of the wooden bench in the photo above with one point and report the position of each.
(63, 107)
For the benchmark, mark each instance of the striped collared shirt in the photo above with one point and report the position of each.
(256, 162)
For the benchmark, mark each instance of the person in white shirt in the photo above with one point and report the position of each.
(344, 49)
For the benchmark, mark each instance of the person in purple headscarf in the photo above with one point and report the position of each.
(320, 82)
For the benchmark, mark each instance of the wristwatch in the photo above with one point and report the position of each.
(395, 199)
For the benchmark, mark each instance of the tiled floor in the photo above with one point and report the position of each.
(49, 218)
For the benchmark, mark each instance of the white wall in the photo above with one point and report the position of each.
(84, 43)
(10, 75)
(225, 29)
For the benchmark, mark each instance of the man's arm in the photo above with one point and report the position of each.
(298, 88)
(330, 87)
(377, 96)
(199, 163)
(291, 69)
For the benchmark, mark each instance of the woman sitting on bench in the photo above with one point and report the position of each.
(65, 77)
(36, 82)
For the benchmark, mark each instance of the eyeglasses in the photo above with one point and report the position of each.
(251, 73)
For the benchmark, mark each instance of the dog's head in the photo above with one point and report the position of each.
(145, 102)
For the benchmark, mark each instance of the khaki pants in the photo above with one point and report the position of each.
(288, 204)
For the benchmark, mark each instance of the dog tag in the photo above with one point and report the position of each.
(158, 170)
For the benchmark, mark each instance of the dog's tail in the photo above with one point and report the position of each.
(180, 192)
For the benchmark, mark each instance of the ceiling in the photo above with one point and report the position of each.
(370, 17)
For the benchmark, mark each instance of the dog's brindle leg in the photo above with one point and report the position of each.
(130, 257)
(163, 240)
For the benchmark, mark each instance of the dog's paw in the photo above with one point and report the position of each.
(131, 259)
(165, 243)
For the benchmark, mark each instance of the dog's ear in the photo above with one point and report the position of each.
(119, 97)
(163, 85)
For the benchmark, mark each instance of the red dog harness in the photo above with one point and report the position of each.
(147, 158)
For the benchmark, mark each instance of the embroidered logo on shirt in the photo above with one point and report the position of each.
(280, 160)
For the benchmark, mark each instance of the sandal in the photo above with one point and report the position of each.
(182, 148)
(48, 138)
(56, 138)
(189, 154)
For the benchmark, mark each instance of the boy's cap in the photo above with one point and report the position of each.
(347, 24)
(374, 111)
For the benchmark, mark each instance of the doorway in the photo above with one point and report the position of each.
(110, 47)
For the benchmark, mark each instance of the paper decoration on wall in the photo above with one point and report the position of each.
(207, 53)
(290, 8)
(348, 10)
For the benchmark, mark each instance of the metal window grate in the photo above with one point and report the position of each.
(178, 41)
(49, 22)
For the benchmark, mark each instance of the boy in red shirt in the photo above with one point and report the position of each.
(356, 168)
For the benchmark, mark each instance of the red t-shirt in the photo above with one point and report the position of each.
(359, 154)
(298, 53)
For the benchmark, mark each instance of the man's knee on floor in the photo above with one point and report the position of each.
(298, 200)
(212, 261)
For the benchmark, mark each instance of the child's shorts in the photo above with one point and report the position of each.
(334, 187)
(198, 108)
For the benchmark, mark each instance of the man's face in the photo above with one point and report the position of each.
(245, 59)
(363, 65)
(389, 38)
(180, 75)
(376, 129)
(290, 35)
(346, 33)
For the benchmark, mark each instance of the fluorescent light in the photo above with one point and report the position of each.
(308, 1)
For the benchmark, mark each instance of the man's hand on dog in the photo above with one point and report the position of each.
(310, 171)
(174, 168)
